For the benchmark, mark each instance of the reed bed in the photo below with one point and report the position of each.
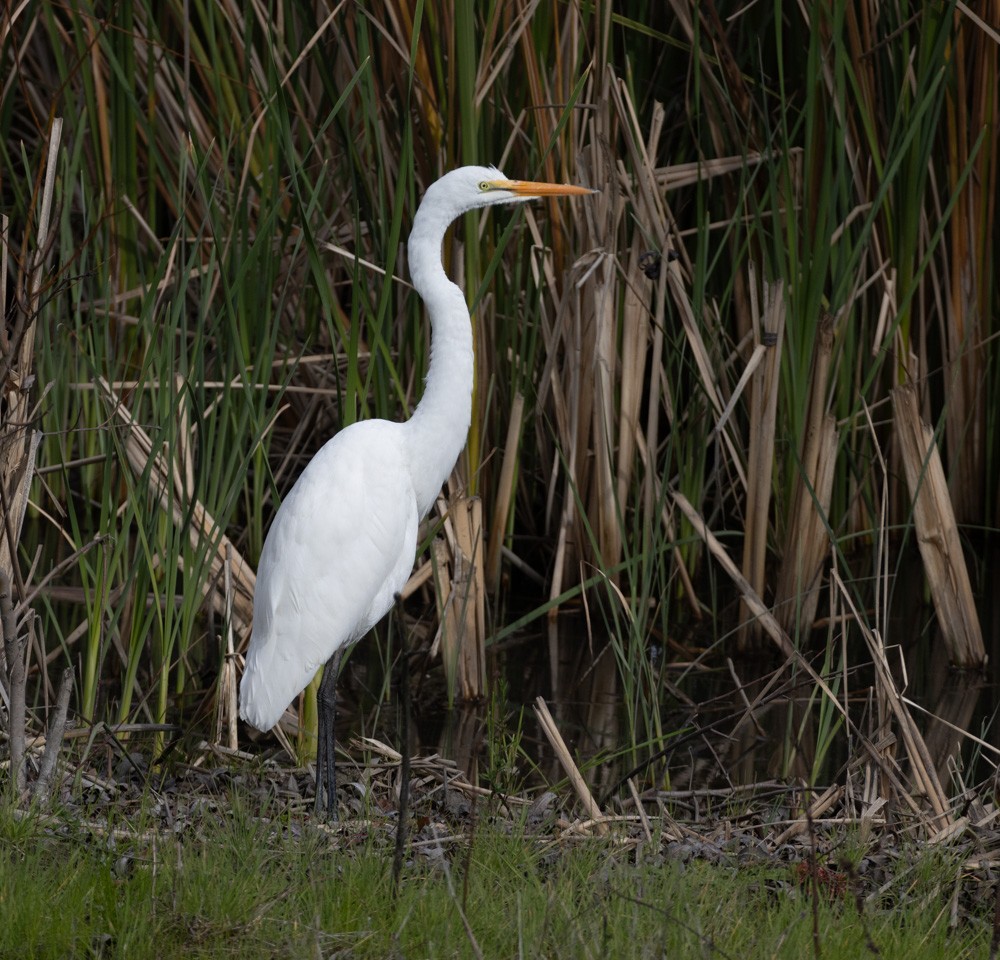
(713, 407)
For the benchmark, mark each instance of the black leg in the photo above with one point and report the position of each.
(326, 763)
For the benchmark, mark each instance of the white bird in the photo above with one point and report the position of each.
(343, 541)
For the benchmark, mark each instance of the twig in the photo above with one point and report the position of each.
(227, 707)
(14, 650)
(816, 809)
(54, 740)
(554, 737)
(16, 717)
(7, 625)
(637, 800)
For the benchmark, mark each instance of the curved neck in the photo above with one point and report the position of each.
(437, 431)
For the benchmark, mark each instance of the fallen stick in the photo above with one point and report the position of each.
(554, 737)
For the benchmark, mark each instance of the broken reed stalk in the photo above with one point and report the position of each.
(443, 642)
(937, 533)
(552, 734)
(634, 345)
(565, 543)
(15, 678)
(20, 442)
(469, 566)
(636, 318)
(595, 382)
(807, 541)
(814, 811)
(8, 631)
(16, 681)
(54, 739)
(749, 596)
(15, 718)
(760, 460)
(226, 708)
(504, 494)
(603, 511)
(462, 600)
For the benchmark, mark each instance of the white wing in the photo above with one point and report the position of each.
(340, 548)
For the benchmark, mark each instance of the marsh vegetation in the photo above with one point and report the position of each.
(730, 487)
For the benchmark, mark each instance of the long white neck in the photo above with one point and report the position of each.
(437, 431)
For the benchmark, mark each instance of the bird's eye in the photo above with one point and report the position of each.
(485, 185)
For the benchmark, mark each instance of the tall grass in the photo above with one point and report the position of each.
(225, 277)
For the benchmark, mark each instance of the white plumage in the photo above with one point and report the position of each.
(352, 511)
(342, 544)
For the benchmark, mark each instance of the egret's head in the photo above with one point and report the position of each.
(468, 188)
(457, 192)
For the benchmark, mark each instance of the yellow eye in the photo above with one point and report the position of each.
(485, 185)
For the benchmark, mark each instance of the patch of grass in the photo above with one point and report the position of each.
(229, 884)
(207, 304)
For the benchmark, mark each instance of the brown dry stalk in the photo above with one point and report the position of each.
(770, 332)
(504, 494)
(636, 342)
(18, 442)
(440, 570)
(54, 739)
(14, 678)
(973, 116)
(817, 808)
(750, 596)
(552, 734)
(470, 590)
(460, 590)
(937, 533)
(807, 540)
(226, 708)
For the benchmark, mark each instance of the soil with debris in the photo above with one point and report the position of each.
(829, 847)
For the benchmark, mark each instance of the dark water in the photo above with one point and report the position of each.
(710, 736)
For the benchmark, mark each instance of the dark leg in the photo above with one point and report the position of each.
(326, 764)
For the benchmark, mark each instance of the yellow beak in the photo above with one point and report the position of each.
(529, 188)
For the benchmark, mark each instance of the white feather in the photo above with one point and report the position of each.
(342, 543)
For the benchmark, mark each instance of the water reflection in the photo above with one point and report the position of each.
(956, 702)
(729, 723)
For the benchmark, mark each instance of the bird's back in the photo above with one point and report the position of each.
(340, 548)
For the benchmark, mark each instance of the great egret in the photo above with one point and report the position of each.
(342, 543)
